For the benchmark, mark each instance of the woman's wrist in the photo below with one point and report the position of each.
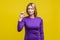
(20, 19)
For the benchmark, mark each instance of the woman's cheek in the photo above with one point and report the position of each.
(32, 11)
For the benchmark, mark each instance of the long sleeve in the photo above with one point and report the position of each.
(41, 30)
(20, 25)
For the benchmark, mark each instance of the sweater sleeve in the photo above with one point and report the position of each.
(41, 30)
(20, 25)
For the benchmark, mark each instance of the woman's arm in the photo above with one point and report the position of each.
(41, 30)
(20, 25)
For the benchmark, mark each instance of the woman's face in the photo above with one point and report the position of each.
(31, 10)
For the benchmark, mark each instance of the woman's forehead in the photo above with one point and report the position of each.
(31, 6)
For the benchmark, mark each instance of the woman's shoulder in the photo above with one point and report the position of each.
(39, 18)
(26, 17)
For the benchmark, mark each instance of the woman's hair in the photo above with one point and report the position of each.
(35, 11)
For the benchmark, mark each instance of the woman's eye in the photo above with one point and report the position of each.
(31, 8)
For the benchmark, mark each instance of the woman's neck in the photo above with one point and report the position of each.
(32, 16)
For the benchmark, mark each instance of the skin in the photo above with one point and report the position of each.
(30, 11)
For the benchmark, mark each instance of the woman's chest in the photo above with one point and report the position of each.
(32, 23)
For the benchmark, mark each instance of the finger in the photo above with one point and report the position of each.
(22, 13)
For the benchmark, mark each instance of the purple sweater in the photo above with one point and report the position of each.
(33, 28)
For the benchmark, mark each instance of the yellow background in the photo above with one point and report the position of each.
(10, 10)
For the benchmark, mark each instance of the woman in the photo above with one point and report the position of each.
(33, 24)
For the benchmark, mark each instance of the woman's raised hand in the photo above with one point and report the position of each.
(21, 16)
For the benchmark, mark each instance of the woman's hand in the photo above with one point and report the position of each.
(21, 16)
